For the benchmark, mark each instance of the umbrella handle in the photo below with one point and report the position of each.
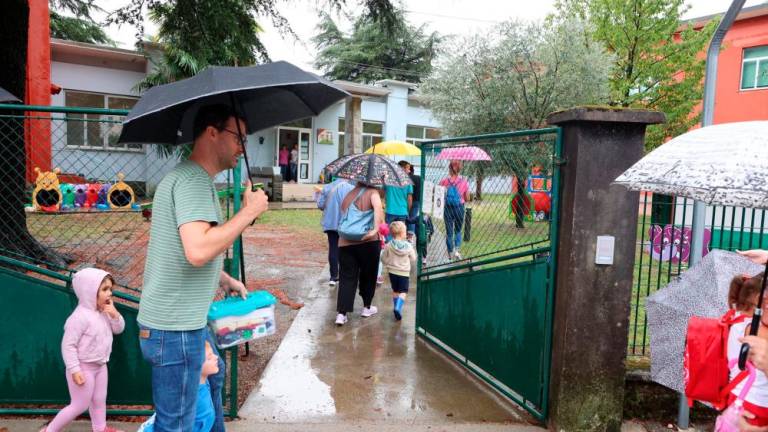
(753, 327)
(743, 354)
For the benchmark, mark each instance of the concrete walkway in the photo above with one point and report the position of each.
(369, 371)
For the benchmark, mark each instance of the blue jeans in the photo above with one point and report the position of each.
(216, 382)
(454, 220)
(176, 358)
(333, 253)
(413, 217)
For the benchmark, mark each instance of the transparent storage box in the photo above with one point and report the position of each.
(235, 320)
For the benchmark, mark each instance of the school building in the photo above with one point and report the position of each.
(105, 77)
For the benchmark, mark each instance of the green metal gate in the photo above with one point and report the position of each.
(44, 238)
(491, 307)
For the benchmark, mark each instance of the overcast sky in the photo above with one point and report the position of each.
(457, 17)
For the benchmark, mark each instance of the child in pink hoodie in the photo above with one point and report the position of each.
(86, 346)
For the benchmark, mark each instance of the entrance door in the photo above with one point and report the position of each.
(301, 138)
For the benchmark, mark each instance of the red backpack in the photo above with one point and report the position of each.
(705, 361)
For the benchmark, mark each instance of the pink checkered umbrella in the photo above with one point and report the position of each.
(465, 153)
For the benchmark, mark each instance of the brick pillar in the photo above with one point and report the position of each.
(592, 301)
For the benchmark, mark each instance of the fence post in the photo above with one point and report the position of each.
(592, 300)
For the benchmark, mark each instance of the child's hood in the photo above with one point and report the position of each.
(401, 247)
(86, 284)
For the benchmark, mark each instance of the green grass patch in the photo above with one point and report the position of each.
(303, 220)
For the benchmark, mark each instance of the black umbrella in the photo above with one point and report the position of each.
(368, 168)
(6, 96)
(264, 95)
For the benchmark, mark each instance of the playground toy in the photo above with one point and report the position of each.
(92, 195)
(46, 196)
(101, 201)
(120, 195)
(68, 196)
(535, 202)
(236, 321)
(80, 195)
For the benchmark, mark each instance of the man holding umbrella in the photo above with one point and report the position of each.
(184, 264)
(214, 110)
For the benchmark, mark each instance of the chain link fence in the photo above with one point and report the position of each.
(487, 197)
(663, 249)
(71, 195)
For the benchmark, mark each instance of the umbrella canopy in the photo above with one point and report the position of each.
(700, 291)
(266, 95)
(465, 153)
(394, 147)
(6, 96)
(371, 169)
(721, 164)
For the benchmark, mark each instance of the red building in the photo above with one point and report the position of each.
(742, 69)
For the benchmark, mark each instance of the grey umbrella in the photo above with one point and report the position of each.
(724, 164)
(702, 290)
(6, 96)
(265, 95)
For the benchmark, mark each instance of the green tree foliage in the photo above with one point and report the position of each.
(80, 27)
(657, 58)
(78, 30)
(374, 51)
(511, 79)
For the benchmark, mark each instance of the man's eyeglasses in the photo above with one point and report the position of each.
(237, 135)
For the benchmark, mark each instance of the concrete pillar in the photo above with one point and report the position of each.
(592, 301)
(353, 125)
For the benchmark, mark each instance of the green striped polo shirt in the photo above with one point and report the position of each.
(176, 296)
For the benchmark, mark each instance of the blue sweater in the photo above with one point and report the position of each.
(204, 414)
(330, 203)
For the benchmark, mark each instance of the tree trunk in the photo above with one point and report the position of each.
(519, 215)
(479, 187)
(15, 239)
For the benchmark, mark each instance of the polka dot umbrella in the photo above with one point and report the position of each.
(370, 169)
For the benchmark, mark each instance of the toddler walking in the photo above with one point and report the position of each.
(86, 346)
(397, 258)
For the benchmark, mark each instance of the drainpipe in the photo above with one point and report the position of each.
(708, 113)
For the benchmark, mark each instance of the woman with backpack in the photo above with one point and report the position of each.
(359, 249)
(456, 195)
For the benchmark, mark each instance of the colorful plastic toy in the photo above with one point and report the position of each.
(120, 194)
(67, 196)
(46, 196)
(236, 321)
(92, 195)
(102, 195)
(80, 192)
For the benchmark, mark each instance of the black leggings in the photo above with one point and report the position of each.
(358, 265)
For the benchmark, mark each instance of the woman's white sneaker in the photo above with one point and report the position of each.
(341, 319)
(373, 310)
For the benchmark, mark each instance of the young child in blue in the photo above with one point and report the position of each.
(398, 258)
(204, 413)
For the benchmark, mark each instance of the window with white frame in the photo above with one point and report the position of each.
(754, 68)
(418, 134)
(95, 131)
(373, 133)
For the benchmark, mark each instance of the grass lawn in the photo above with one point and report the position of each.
(304, 220)
(493, 231)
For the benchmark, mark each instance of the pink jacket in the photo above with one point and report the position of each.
(88, 332)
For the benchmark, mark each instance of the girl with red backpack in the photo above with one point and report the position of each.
(751, 394)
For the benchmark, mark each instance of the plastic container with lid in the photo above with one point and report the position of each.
(235, 320)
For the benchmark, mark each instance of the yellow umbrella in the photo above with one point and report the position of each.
(395, 147)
